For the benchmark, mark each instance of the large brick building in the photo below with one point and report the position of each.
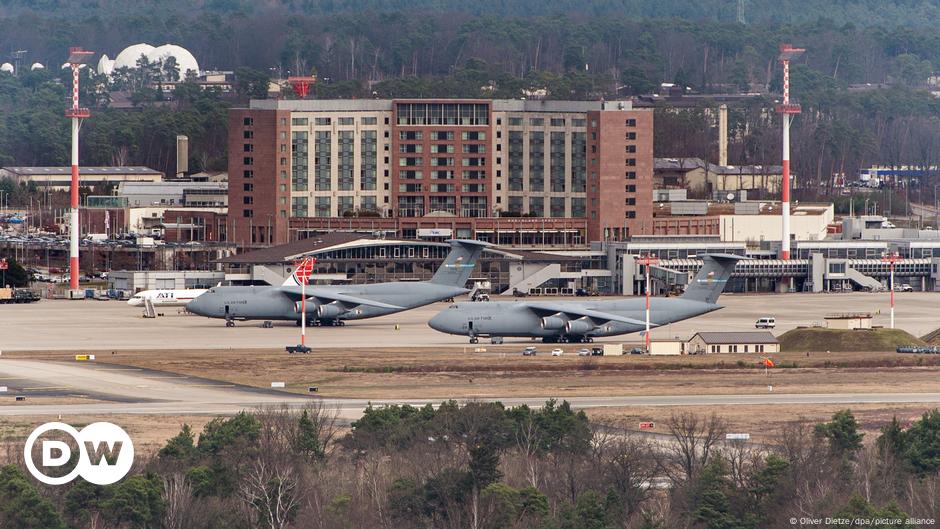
(536, 173)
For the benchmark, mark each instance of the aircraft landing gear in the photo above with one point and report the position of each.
(267, 325)
(229, 323)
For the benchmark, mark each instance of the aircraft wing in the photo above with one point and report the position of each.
(574, 312)
(328, 297)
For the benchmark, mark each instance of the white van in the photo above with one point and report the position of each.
(765, 323)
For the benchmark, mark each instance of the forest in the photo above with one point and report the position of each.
(483, 465)
(865, 81)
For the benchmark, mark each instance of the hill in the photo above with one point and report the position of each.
(819, 339)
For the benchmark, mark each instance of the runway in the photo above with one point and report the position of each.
(111, 325)
(141, 392)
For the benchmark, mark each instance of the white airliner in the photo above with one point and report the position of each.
(166, 298)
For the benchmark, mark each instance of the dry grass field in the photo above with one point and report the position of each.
(503, 372)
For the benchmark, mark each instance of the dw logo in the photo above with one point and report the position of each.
(105, 453)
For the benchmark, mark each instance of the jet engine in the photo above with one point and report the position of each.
(328, 312)
(579, 326)
(554, 323)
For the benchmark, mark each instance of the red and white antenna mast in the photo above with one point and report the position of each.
(786, 110)
(77, 57)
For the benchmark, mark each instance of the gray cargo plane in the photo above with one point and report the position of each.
(576, 321)
(333, 305)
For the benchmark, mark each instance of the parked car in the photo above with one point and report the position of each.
(597, 351)
(903, 287)
(767, 322)
(557, 352)
(637, 351)
(584, 352)
(529, 351)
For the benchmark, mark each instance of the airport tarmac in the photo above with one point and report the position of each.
(110, 325)
(143, 392)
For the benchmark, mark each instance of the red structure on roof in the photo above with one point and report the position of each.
(301, 85)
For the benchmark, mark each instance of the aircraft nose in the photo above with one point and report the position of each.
(440, 322)
(196, 306)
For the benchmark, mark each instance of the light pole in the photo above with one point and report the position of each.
(892, 259)
(303, 271)
(648, 260)
(936, 208)
(77, 57)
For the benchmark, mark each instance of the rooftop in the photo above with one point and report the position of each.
(385, 105)
(688, 164)
(82, 170)
(339, 240)
(718, 337)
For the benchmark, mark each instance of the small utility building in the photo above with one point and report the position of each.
(849, 320)
(733, 342)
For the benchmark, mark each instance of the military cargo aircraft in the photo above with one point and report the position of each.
(334, 305)
(582, 321)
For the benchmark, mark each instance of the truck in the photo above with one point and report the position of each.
(17, 295)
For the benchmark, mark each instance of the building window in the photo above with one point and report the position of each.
(536, 122)
(630, 188)
(368, 120)
(558, 122)
(410, 135)
(471, 148)
(557, 162)
(631, 122)
(515, 162)
(322, 161)
(368, 171)
(283, 161)
(631, 149)
(631, 175)
(300, 157)
(248, 213)
(248, 200)
(321, 121)
(298, 207)
(322, 206)
(537, 206)
(249, 134)
(248, 174)
(248, 122)
(471, 135)
(557, 207)
(578, 207)
(442, 135)
(347, 121)
(473, 207)
(248, 187)
(630, 136)
(299, 122)
(537, 162)
(631, 162)
(248, 160)
(413, 147)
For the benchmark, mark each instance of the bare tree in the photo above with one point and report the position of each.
(269, 490)
(693, 437)
(178, 494)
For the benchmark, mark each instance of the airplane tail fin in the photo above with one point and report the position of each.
(711, 279)
(302, 272)
(460, 262)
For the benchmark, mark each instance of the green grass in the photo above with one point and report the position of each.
(818, 340)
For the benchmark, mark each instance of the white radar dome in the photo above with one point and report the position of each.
(184, 59)
(130, 55)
